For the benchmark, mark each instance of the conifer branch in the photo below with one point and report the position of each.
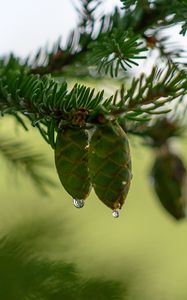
(21, 157)
(114, 51)
(169, 51)
(107, 44)
(112, 40)
(158, 12)
(47, 103)
(148, 94)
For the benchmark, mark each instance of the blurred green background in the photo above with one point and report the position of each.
(51, 250)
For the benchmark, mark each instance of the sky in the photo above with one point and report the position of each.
(27, 25)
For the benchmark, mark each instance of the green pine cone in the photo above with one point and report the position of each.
(71, 159)
(169, 175)
(110, 164)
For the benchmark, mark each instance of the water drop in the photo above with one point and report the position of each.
(115, 214)
(78, 203)
(87, 147)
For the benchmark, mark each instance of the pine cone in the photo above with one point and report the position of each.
(169, 174)
(110, 164)
(71, 159)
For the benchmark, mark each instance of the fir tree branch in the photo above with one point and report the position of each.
(108, 41)
(128, 3)
(159, 11)
(27, 161)
(87, 13)
(115, 50)
(104, 38)
(56, 60)
(148, 94)
(45, 102)
(169, 51)
(48, 104)
(31, 276)
(177, 9)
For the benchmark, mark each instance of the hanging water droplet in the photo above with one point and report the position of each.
(115, 214)
(78, 203)
(87, 147)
